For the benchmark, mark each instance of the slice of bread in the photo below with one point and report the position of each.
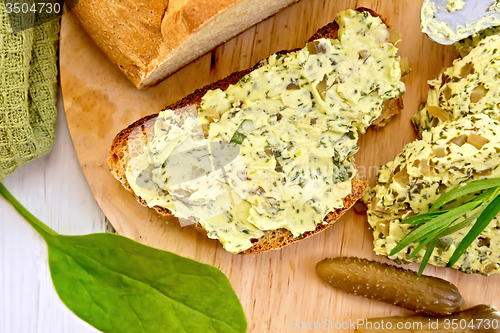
(177, 31)
(140, 131)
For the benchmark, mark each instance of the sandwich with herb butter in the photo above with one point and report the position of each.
(460, 130)
(263, 158)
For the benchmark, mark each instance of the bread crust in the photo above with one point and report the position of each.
(143, 128)
(110, 26)
(183, 18)
(120, 27)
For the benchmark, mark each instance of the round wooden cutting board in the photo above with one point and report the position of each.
(279, 290)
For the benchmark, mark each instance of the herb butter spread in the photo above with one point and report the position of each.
(450, 21)
(454, 5)
(460, 131)
(466, 45)
(471, 85)
(295, 121)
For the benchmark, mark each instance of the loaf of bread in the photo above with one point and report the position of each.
(150, 40)
(132, 140)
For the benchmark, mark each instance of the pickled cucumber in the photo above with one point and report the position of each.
(371, 279)
(478, 319)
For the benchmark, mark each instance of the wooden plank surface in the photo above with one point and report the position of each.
(278, 289)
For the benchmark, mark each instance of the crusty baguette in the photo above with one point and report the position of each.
(176, 31)
(139, 132)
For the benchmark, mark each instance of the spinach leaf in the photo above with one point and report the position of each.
(118, 285)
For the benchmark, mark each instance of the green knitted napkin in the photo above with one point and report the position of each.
(28, 92)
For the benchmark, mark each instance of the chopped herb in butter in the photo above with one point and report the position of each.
(471, 85)
(454, 5)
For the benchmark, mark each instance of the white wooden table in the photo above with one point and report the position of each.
(53, 189)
